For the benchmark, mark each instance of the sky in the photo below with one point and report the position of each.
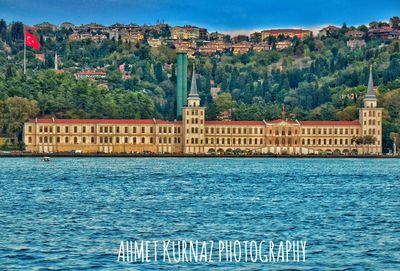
(234, 16)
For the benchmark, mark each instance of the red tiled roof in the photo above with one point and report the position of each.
(279, 121)
(168, 122)
(330, 122)
(151, 121)
(331, 27)
(240, 122)
(98, 121)
(287, 30)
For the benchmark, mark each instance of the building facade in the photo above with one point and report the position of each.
(195, 135)
(291, 33)
(328, 31)
(185, 33)
(354, 44)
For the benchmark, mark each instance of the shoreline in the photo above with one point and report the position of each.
(122, 155)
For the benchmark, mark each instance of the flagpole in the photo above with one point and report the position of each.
(24, 52)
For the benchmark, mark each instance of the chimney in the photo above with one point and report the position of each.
(181, 82)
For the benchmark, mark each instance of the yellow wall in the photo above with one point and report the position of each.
(281, 137)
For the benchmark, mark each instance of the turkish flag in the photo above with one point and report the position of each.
(32, 41)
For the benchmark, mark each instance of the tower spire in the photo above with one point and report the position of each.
(193, 87)
(370, 91)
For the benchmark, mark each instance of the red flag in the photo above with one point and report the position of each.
(32, 41)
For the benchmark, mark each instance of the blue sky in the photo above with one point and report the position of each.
(218, 15)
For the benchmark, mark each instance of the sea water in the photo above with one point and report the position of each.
(74, 213)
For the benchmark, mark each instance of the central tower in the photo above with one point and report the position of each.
(193, 121)
(371, 119)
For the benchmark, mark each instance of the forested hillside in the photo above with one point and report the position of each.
(316, 78)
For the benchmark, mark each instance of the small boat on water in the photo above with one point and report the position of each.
(46, 159)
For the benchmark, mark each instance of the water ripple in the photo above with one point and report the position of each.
(72, 213)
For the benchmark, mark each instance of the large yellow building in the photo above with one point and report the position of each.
(195, 135)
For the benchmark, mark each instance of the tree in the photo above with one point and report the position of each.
(364, 140)
(355, 93)
(17, 31)
(349, 113)
(358, 141)
(327, 112)
(393, 71)
(14, 111)
(373, 24)
(369, 140)
(395, 22)
(395, 137)
(223, 103)
(363, 28)
(3, 30)
(158, 72)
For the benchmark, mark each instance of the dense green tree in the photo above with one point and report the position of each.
(3, 30)
(14, 111)
(223, 103)
(17, 31)
(316, 78)
(395, 22)
(158, 72)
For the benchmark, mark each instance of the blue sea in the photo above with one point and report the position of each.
(73, 213)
